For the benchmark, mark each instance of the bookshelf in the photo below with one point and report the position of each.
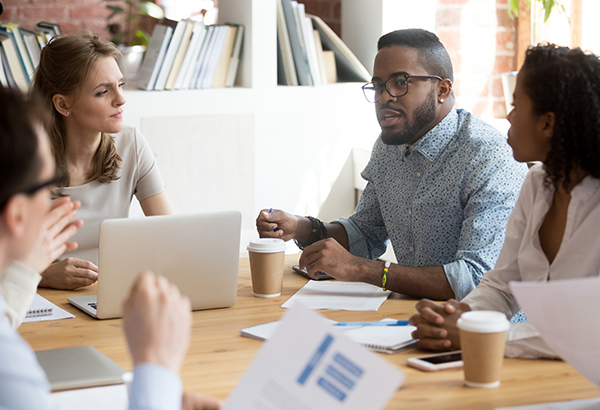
(257, 145)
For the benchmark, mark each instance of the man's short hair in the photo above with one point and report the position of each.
(432, 54)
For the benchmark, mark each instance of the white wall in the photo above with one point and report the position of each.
(364, 21)
(249, 149)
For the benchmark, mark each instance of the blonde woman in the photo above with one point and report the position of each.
(105, 162)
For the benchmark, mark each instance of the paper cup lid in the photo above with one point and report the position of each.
(483, 321)
(266, 245)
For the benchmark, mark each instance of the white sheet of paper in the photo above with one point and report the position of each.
(335, 295)
(95, 398)
(310, 365)
(565, 313)
(40, 302)
(586, 404)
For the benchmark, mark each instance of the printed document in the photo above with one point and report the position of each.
(336, 295)
(309, 365)
(565, 313)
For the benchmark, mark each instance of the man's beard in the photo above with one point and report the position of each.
(422, 116)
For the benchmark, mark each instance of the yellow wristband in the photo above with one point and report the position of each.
(385, 272)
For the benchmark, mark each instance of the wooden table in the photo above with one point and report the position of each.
(218, 355)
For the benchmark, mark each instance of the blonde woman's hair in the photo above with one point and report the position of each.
(65, 64)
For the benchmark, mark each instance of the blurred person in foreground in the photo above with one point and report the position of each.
(156, 320)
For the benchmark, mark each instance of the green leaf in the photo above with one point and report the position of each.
(548, 5)
(152, 10)
(116, 9)
(141, 38)
(513, 8)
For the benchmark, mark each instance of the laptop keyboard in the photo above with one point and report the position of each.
(93, 306)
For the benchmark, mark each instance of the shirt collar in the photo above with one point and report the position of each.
(434, 142)
(586, 188)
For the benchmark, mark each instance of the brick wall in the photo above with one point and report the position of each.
(72, 15)
(481, 40)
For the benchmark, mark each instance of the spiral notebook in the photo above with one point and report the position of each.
(42, 309)
(383, 339)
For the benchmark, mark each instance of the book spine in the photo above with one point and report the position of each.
(299, 63)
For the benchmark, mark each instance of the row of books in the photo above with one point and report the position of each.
(309, 52)
(20, 51)
(191, 55)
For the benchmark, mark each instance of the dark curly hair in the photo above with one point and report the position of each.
(566, 82)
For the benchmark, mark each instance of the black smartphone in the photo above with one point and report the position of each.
(322, 275)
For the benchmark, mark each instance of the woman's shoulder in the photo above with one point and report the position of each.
(129, 139)
(126, 136)
(535, 182)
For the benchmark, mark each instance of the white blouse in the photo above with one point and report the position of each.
(522, 258)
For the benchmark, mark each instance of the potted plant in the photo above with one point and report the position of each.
(123, 24)
(548, 6)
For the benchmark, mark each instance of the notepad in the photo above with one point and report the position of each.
(384, 339)
(42, 309)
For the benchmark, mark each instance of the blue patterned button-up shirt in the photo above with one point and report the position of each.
(443, 201)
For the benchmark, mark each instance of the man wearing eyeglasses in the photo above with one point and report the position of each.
(441, 184)
(19, 280)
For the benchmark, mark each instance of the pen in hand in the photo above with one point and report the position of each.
(274, 229)
(384, 323)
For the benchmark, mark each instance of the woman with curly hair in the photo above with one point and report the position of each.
(105, 162)
(552, 233)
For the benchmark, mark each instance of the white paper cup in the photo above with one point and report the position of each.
(482, 340)
(266, 266)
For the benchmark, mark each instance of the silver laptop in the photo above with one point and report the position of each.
(199, 253)
(78, 367)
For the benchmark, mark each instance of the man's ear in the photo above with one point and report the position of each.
(14, 215)
(61, 104)
(445, 89)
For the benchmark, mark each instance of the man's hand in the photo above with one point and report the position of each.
(57, 229)
(157, 320)
(70, 273)
(277, 224)
(198, 401)
(436, 324)
(332, 258)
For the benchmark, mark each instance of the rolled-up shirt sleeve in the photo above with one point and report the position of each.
(154, 387)
(18, 285)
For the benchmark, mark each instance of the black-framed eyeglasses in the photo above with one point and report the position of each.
(55, 180)
(396, 86)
